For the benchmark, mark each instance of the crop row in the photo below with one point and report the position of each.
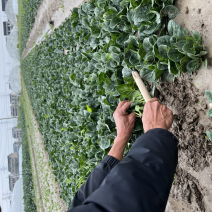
(74, 95)
(26, 18)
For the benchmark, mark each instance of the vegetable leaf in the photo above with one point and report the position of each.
(193, 65)
(209, 113)
(209, 134)
(209, 95)
(175, 55)
(171, 11)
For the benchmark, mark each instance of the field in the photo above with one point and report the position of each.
(77, 76)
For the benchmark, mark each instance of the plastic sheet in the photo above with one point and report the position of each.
(15, 6)
(10, 12)
(11, 44)
(17, 196)
(15, 79)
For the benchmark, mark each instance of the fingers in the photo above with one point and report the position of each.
(150, 103)
(121, 104)
(153, 100)
(126, 106)
(165, 111)
(132, 116)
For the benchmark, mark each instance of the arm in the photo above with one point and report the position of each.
(141, 181)
(112, 159)
(94, 180)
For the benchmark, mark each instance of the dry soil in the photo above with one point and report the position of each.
(192, 188)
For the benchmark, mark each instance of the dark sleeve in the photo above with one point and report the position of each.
(140, 182)
(94, 180)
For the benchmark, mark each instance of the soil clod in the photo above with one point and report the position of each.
(187, 10)
(199, 11)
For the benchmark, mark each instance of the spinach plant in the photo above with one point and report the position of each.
(166, 56)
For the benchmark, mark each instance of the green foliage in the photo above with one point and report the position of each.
(26, 18)
(74, 96)
(209, 135)
(166, 56)
(28, 188)
(209, 95)
(209, 113)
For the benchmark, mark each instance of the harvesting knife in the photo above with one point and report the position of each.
(141, 86)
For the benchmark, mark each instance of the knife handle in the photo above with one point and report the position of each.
(141, 86)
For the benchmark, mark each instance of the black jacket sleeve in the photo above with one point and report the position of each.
(94, 180)
(140, 182)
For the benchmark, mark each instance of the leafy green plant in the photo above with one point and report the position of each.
(165, 56)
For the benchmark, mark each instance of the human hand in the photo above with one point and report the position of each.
(156, 115)
(124, 122)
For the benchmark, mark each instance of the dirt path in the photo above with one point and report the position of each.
(50, 10)
(40, 206)
(49, 191)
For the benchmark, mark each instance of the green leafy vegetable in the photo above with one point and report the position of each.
(209, 113)
(171, 11)
(209, 95)
(175, 55)
(209, 134)
(193, 65)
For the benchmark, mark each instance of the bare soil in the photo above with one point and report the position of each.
(193, 181)
(192, 187)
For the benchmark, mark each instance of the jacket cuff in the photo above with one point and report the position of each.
(110, 160)
(164, 132)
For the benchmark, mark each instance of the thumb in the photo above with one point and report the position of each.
(132, 116)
